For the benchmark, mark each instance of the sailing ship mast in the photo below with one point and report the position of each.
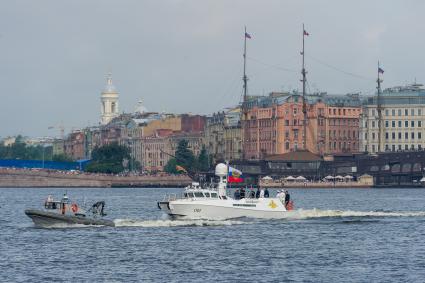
(244, 101)
(303, 72)
(379, 109)
(245, 78)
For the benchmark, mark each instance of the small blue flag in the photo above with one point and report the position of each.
(247, 35)
(381, 71)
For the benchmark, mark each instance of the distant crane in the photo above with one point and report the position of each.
(61, 128)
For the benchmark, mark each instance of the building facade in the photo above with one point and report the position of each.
(159, 148)
(402, 120)
(223, 135)
(274, 124)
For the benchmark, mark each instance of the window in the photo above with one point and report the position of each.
(399, 136)
(214, 195)
(399, 124)
(406, 135)
(395, 168)
(373, 136)
(386, 124)
(412, 135)
(286, 122)
(406, 112)
(393, 124)
(199, 194)
(207, 194)
(373, 148)
(393, 147)
(399, 147)
(287, 145)
(393, 112)
(393, 136)
(412, 112)
(387, 148)
(373, 124)
(406, 147)
(419, 135)
(386, 112)
(373, 112)
(412, 124)
(406, 167)
(406, 124)
(399, 112)
(419, 112)
(190, 195)
(386, 136)
(295, 111)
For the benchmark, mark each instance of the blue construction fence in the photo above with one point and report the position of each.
(56, 165)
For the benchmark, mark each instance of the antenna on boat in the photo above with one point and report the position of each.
(303, 72)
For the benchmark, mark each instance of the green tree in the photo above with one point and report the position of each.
(203, 162)
(170, 167)
(109, 159)
(184, 156)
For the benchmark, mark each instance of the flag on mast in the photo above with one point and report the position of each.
(235, 175)
(381, 71)
(306, 33)
(247, 35)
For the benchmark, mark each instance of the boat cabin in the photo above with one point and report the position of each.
(202, 193)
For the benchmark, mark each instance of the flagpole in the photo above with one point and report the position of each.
(379, 108)
(303, 72)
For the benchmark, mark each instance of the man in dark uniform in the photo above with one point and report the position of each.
(257, 193)
(287, 198)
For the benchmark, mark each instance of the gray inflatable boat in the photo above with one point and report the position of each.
(58, 213)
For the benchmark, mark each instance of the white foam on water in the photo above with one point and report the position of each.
(173, 223)
(317, 213)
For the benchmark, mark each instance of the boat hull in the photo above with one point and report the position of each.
(48, 219)
(222, 209)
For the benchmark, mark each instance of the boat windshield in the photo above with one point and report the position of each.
(199, 194)
(207, 194)
(214, 195)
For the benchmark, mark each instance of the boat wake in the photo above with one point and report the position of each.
(174, 223)
(318, 213)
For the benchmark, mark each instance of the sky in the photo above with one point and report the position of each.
(182, 56)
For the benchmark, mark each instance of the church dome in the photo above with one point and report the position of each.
(140, 108)
(109, 87)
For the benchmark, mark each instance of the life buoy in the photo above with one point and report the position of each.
(74, 207)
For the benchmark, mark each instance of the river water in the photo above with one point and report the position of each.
(334, 235)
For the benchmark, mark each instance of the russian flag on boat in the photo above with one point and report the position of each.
(235, 175)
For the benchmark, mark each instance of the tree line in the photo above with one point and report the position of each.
(20, 150)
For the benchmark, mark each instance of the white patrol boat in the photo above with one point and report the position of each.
(213, 203)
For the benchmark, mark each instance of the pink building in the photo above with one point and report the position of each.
(275, 124)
